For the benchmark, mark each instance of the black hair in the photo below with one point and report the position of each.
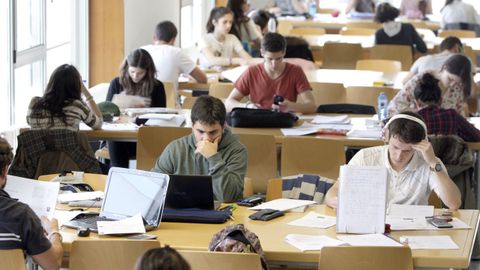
(261, 17)
(208, 110)
(406, 130)
(427, 90)
(449, 42)
(238, 16)
(458, 64)
(165, 31)
(215, 15)
(273, 42)
(138, 58)
(385, 13)
(64, 86)
(6, 155)
(165, 258)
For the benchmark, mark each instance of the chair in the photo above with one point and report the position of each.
(170, 95)
(308, 155)
(108, 254)
(96, 181)
(457, 33)
(388, 66)
(347, 31)
(188, 102)
(326, 93)
(341, 55)
(12, 259)
(50, 151)
(153, 140)
(262, 159)
(274, 189)
(367, 95)
(402, 53)
(365, 258)
(220, 90)
(346, 108)
(206, 260)
(284, 27)
(307, 31)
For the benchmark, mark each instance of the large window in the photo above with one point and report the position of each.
(40, 35)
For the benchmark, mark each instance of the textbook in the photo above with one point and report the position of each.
(362, 199)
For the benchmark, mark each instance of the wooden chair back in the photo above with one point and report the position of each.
(12, 259)
(388, 66)
(119, 254)
(152, 141)
(274, 189)
(307, 31)
(170, 94)
(402, 53)
(348, 31)
(367, 95)
(457, 33)
(262, 159)
(363, 24)
(220, 90)
(312, 155)
(328, 93)
(365, 258)
(341, 55)
(206, 260)
(188, 102)
(468, 51)
(95, 180)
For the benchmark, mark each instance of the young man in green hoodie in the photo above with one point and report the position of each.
(211, 149)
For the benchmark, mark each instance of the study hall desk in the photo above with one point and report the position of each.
(191, 236)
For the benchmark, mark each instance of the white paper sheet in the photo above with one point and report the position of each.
(429, 242)
(338, 119)
(129, 225)
(41, 196)
(282, 204)
(311, 242)
(377, 240)
(407, 223)
(402, 210)
(170, 121)
(314, 220)
(304, 129)
(64, 215)
(80, 196)
(119, 126)
(362, 197)
(365, 133)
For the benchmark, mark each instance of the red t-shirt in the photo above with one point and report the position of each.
(256, 83)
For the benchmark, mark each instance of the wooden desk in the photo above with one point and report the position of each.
(190, 236)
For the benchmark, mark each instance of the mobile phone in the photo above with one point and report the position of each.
(250, 201)
(440, 223)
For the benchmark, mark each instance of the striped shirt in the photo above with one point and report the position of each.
(75, 112)
(20, 228)
(448, 122)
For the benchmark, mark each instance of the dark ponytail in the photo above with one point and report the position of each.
(428, 90)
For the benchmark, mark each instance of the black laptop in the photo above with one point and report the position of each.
(190, 191)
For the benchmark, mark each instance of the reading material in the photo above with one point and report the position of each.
(311, 242)
(362, 199)
(314, 220)
(282, 204)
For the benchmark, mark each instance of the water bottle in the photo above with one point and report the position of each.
(382, 103)
(272, 25)
(312, 8)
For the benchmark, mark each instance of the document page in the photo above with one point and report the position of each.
(375, 240)
(132, 224)
(282, 204)
(362, 199)
(314, 220)
(311, 242)
(429, 242)
(39, 195)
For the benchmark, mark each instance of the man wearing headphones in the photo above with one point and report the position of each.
(413, 169)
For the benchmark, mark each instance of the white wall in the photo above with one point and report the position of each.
(141, 16)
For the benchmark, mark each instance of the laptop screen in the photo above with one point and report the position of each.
(129, 192)
(190, 191)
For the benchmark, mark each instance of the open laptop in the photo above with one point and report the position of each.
(128, 192)
(190, 191)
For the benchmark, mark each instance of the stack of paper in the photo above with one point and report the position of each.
(338, 119)
(80, 196)
(311, 242)
(166, 120)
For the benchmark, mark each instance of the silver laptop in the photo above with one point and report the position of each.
(127, 193)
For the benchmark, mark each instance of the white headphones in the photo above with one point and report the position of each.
(409, 117)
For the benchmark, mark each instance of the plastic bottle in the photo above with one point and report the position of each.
(272, 25)
(312, 8)
(382, 104)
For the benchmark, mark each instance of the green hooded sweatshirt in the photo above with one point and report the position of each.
(227, 167)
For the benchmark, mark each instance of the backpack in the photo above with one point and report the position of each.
(237, 238)
(245, 117)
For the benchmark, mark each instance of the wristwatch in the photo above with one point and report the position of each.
(437, 168)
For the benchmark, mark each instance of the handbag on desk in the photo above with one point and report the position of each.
(245, 117)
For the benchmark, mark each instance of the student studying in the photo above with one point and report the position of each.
(413, 170)
(211, 149)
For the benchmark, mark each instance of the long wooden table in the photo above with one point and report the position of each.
(194, 236)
